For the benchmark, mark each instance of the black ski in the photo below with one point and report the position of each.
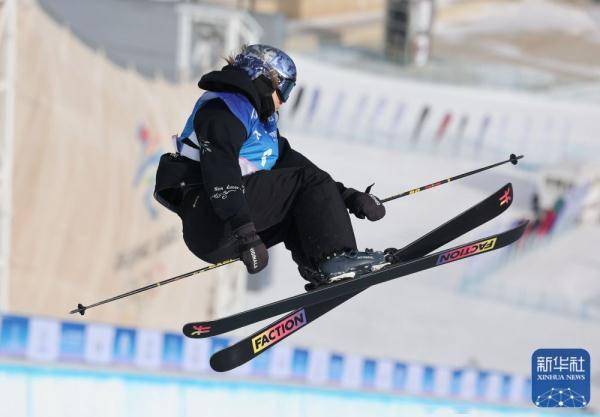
(250, 347)
(475, 216)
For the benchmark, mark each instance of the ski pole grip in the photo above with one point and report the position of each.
(80, 309)
(514, 159)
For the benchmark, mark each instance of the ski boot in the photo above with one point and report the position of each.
(343, 265)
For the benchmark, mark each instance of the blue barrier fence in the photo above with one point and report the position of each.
(53, 341)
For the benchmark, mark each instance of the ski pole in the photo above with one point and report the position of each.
(81, 308)
(513, 159)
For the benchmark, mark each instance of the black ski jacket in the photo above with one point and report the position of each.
(227, 134)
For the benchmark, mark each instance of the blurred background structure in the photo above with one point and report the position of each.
(411, 90)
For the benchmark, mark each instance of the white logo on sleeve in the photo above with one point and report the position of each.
(265, 155)
(254, 258)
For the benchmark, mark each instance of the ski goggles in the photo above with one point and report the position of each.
(284, 88)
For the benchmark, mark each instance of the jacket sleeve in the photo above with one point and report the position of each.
(289, 158)
(221, 136)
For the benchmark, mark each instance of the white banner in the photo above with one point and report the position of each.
(318, 366)
(352, 376)
(149, 349)
(414, 383)
(281, 362)
(385, 372)
(196, 355)
(99, 343)
(44, 339)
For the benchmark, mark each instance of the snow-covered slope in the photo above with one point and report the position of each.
(561, 274)
(477, 18)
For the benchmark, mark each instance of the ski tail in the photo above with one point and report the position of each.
(257, 343)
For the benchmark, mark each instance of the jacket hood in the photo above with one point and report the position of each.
(231, 79)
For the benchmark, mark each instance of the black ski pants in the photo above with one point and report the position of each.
(301, 207)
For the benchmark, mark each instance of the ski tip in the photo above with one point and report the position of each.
(505, 195)
(216, 366)
(521, 228)
(219, 364)
(197, 330)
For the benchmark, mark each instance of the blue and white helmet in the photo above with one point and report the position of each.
(259, 60)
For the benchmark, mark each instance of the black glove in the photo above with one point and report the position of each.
(363, 204)
(253, 251)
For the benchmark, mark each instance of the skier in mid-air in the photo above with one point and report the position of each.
(239, 188)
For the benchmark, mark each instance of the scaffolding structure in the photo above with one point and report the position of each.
(8, 17)
(207, 33)
(408, 31)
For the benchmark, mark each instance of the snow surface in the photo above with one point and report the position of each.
(556, 40)
(423, 318)
(508, 17)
